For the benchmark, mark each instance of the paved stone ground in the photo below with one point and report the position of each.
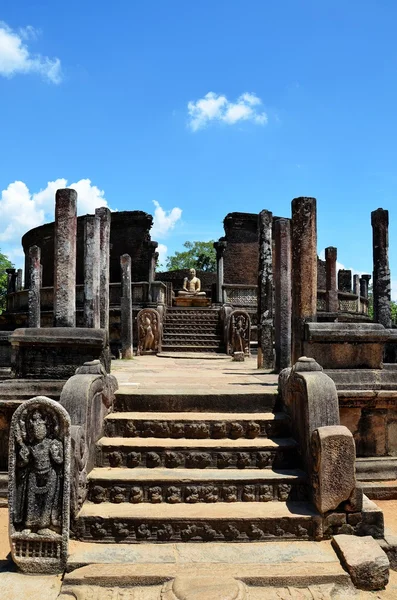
(169, 375)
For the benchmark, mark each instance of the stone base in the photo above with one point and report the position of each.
(186, 301)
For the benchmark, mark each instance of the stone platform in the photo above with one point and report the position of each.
(186, 301)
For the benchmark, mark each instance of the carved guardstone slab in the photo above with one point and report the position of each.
(39, 486)
(149, 331)
(239, 333)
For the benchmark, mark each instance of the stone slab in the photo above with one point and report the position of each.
(18, 586)
(185, 302)
(365, 561)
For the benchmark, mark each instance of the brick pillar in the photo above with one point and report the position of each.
(34, 286)
(65, 258)
(104, 216)
(381, 275)
(282, 293)
(364, 285)
(19, 280)
(265, 292)
(219, 249)
(92, 317)
(126, 307)
(304, 270)
(332, 304)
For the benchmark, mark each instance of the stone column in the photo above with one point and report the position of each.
(11, 280)
(356, 290)
(19, 280)
(304, 270)
(104, 216)
(265, 292)
(364, 285)
(381, 275)
(345, 280)
(332, 303)
(65, 258)
(92, 259)
(34, 286)
(282, 293)
(219, 249)
(126, 307)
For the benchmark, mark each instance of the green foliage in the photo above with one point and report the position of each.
(198, 255)
(4, 264)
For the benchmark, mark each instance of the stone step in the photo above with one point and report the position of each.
(205, 347)
(165, 400)
(195, 486)
(379, 490)
(197, 425)
(184, 335)
(240, 521)
(260, 453)
(191, 342)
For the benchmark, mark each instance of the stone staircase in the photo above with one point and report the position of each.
(196, 467)
(192, 330)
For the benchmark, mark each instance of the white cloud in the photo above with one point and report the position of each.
(215, 107)
(15, 56)
(164, 221)
(22, 210)
(163, 254)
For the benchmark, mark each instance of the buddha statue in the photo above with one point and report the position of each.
(191, 286)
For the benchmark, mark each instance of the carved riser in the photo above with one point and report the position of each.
(187, 348)
(197, 430)
(197, 459)
(137, 530)
(210, 493)
(191, 341)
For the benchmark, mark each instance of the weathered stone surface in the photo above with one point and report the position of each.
(39, 486)
(204, 588)
(265, 292)
(18, 586)
(35, 285)
(126, 307)
(345, 280)
(365, 561)
(333, 474)
(104, 216)
(282, 292)
(220, 247)
(311, 400)
(54, 352)
(381, 274)
(149, 331)
(304, 269)
(346, 345)
(92, 263)
(65, 258)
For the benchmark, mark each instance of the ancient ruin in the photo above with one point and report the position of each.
(131, 449)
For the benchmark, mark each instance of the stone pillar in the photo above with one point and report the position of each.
(332, 303)
(356, 290)
(345, 280)
(153, 262)
(65, 258)
(304, 270)
(282, 293)
(126, 307)
(11, 280)
(381, 275)
(364, 285)
(104, 216)
(19, 280)
(34, 286)
(265, 291)
(92, 317)
(219, 249)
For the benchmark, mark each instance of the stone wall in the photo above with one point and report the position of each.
(129, 234)
(241, 253)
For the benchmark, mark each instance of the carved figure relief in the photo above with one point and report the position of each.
(39, 471)
(239, 332)
(149, 331)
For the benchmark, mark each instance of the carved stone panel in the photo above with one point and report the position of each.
(39, 486)
(149, 331)
(239, 332)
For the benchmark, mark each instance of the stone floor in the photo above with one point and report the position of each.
(255, 571)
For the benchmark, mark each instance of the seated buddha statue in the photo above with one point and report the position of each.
(191, 285)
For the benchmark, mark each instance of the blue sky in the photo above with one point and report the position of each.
(304, 95)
